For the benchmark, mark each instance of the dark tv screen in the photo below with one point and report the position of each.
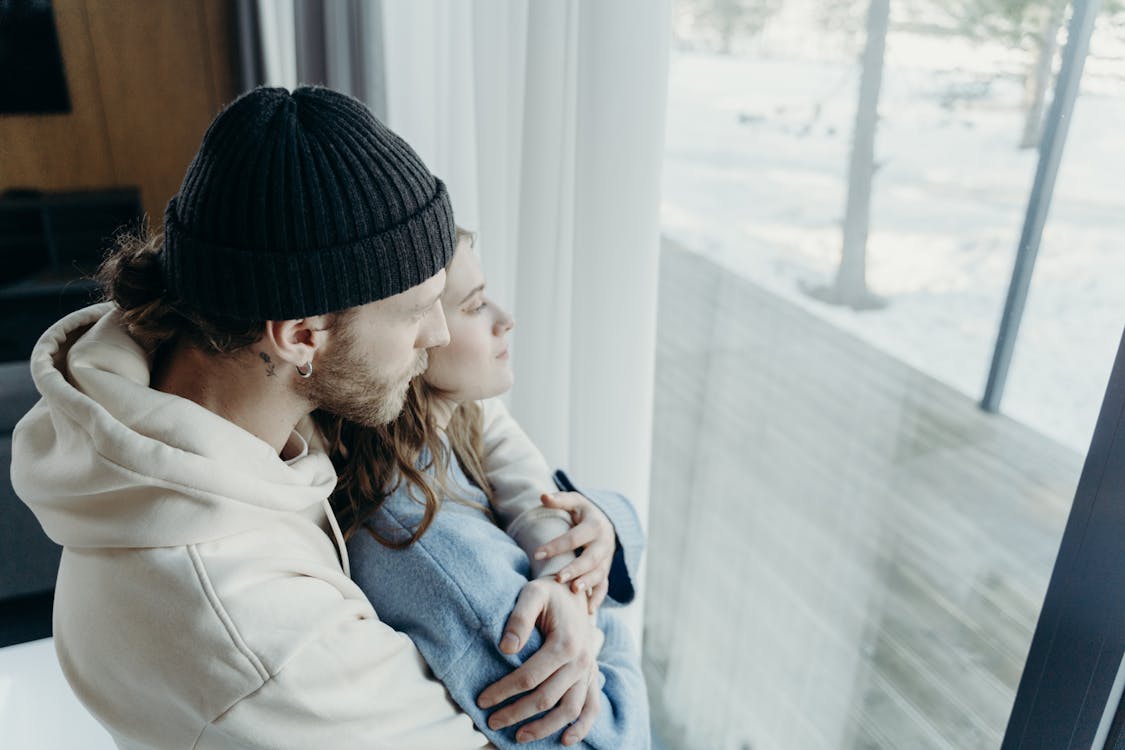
(32, 80)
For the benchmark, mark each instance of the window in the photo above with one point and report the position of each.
(847, 551)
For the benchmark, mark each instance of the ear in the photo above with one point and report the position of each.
(297, 342)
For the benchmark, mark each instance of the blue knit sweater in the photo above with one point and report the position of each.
(452, 591)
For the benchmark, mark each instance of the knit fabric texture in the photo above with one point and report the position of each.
(301, 204)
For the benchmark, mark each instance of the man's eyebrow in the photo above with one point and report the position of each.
(476, 289)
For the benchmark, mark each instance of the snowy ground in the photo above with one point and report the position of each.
(755, 178)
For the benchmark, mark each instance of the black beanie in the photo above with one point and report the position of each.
(302, 204)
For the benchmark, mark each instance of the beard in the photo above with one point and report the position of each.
(345, 385)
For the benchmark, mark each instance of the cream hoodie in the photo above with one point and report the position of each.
(203, 599)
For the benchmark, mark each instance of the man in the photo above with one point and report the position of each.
(203, 599)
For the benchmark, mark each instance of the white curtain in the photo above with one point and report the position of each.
(277, 30)
(546, 119)
(336, 43)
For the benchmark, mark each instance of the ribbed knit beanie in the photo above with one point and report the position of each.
(300, 204)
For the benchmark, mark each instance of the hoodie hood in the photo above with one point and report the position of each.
(105, 461)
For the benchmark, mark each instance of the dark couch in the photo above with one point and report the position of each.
(28, 559)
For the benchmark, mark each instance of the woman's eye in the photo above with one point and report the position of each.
(479, 307)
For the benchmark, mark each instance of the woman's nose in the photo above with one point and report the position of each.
(505, 322)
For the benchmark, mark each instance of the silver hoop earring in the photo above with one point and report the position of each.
(305, 373)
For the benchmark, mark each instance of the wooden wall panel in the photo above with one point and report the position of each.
(62, 151)
(220, 24)
(146, 77)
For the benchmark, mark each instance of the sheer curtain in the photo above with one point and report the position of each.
(334, 43)
(546, 120)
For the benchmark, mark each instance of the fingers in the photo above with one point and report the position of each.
(590, 581)
(520, 623)
(588, 569)
(571, 502)
(569, 709)
(593, 558)
(545, 698)
(579, 536)
(598, 595)
(593, 706)
(531, 674)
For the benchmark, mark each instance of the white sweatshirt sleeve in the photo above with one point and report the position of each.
(356, 684)
(519, 474)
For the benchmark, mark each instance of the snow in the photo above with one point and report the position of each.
(755, 178)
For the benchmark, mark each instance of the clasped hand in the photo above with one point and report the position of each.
(561, 678)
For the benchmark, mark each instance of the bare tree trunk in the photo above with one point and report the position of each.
(1039, 77)
(851, 279)
(724, 40)
(727, 12)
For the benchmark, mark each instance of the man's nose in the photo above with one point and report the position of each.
(436, 330)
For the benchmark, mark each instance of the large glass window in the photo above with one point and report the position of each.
(1076, 304)
(847, 552)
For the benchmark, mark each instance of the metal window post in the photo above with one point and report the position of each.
(1050, 154)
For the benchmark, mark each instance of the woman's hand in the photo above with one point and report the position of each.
(557, 677)
(593, 533)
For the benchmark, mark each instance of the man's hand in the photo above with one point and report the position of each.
(558, 676)
(594, 533)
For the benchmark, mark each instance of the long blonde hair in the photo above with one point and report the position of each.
(373, 462)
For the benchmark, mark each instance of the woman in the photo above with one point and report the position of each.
(425, 546)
